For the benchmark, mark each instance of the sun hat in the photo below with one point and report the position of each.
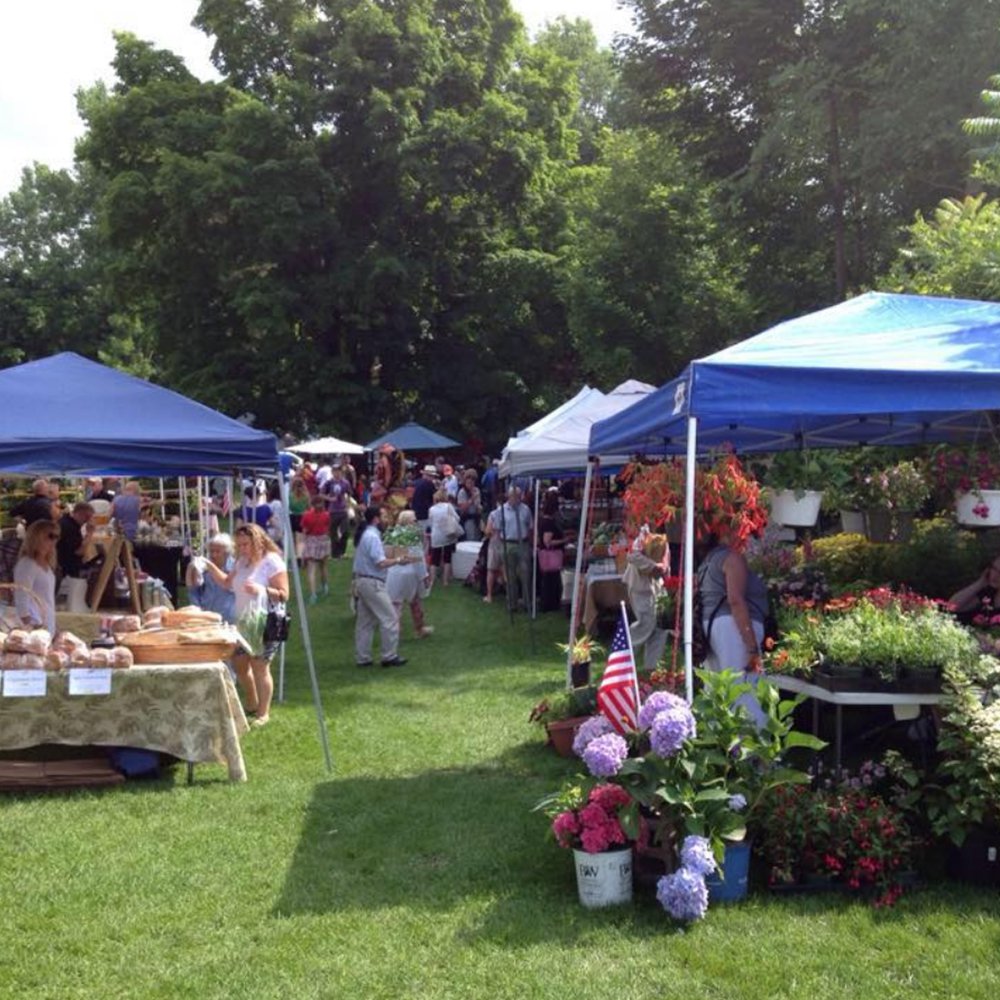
(430, 470)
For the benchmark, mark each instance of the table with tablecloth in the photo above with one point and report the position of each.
(191, 711)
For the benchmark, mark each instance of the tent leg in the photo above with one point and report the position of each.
(304, 625)
(281, 654)
(692, 453)
(575, 605)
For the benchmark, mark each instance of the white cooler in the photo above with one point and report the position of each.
(464, 558)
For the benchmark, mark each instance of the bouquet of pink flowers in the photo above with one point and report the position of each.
(594, 826)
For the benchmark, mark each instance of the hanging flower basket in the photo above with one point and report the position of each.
(980, 509)
(796, 508)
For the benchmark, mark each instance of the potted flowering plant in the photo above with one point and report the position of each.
(581, 653)
(695, 772)
(969, 478)
(727, 498)
(562, 715)
(837, 835)
(796, 479)
(890, 496)
(589, 823)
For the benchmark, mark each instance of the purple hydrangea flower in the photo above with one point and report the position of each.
(670, 729)
(658, 701)
(596, 725)
(737, 802)
(604, 755)
(683, 894)
(697, 856)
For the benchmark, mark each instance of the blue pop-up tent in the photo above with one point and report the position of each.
(412, 436)
(879, 369)
(70, 416)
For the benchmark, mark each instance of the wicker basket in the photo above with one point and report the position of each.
(183, 652)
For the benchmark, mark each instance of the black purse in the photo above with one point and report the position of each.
(276, 626)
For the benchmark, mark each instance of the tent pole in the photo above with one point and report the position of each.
(534, 557)
(580, 539)
(692, 441)
(304, 625)
(287, 555)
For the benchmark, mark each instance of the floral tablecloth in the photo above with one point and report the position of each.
(191, 711)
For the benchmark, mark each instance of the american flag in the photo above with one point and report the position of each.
(617, 694)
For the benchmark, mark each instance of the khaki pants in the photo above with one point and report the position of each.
(374, 609)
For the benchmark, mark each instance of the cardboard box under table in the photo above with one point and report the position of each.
(190, 710)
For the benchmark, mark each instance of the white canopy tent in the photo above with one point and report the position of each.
(328, 446)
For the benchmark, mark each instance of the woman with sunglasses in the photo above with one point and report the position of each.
(259, 581)
(35, 572)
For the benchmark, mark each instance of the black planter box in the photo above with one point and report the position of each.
(978, 859)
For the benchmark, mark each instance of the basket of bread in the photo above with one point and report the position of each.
(188, 635)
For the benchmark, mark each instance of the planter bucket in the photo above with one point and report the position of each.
(562, 733)
(852, 522)
(579, 674)
(796, 511)
(604, 879)
(978, 859)
(733, 885)
(978, 510)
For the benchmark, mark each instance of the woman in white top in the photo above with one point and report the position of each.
(35, 572)
(259, 581)
(445, 532)
(408, 583)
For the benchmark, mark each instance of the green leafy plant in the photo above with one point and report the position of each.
(582, 649)
(901, 487)
(802, 470)
(569, 704)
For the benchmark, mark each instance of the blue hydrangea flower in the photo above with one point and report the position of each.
(604, 755)
(697, 856)
(670, 729)
(683, 894)
(596, 725)
(737, 802)
(658, 701)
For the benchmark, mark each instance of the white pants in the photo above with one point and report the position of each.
(374, 609)
(729, 652)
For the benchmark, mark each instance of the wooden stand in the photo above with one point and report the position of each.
(120, 550)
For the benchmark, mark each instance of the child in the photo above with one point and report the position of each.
(316, 544)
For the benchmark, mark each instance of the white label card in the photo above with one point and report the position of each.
(90, 680)
(24, 683)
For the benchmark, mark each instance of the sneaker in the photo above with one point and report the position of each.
(425, 632)
(313, 598)
(363, 663)
(396, 661)
(325, 590)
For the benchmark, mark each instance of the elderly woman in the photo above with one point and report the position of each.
(445, 529)
(409, 583)
(35, 575)
(469, 502)
(204, 590)
(259, 581)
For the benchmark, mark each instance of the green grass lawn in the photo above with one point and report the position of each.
(416, 869)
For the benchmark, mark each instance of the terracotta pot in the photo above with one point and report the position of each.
(562, 732)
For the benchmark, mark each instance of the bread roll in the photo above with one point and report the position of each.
(56, 660)
(38, 641)
(16, 641)
(121, 657)
(31, 661)
(100, 657)
(80, 657)
(67, 642)
(126, 623)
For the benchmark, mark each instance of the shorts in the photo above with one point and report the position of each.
(494, 555)
(441, 554)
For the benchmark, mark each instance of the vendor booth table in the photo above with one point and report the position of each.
(191, 711)
(902, 704)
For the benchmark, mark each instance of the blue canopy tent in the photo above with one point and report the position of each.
(68, 416)
(879, 369)
(412, 436)
(71, 416)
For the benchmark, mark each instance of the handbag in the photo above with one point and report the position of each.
(550, 560)
(277, 625)
(456, 532)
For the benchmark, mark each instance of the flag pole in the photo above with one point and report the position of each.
(631, 653)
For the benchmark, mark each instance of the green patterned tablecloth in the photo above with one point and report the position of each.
(191, 711)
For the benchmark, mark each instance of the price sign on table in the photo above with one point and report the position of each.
(90, 680)
(24, 683)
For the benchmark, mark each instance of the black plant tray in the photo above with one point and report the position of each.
(903, 685)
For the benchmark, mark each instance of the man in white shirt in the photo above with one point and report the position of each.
(515, 531)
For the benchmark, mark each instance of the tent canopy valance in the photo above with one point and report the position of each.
(879, 369)
(67, 415)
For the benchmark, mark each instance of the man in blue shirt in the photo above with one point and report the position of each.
(374, 606)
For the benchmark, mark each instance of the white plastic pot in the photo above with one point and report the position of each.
(796, 510)
(604, 879)
(978, 510)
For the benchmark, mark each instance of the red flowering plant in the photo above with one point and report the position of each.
(727, 498)
(591, 821)
(843, 834)
(963, 470)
